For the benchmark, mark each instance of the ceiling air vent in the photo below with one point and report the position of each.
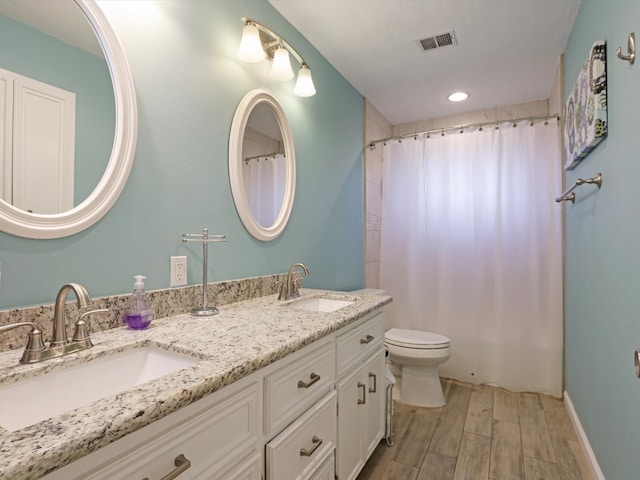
(439, 40)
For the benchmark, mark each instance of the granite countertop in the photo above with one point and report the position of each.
(241, 339)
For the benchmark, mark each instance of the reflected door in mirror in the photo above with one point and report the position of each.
(37, 46)
(37, 144)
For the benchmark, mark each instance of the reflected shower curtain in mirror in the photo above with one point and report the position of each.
(264, 182)
(472, 249)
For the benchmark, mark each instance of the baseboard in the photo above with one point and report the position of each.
(582, 436)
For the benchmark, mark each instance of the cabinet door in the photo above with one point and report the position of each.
(212, 442)
(351, 402)
(373, 428)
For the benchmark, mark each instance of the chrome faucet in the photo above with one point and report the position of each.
(290, 289)
(60, 344)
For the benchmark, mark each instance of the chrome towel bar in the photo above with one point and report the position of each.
(567, 195)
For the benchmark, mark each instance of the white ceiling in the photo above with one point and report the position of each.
(507, 52)
(61, 19)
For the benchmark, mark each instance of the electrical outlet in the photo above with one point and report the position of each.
(178, 271)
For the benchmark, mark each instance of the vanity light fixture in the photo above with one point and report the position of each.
(281, 67)
(458, 96)
(259, 43)
(250, 49)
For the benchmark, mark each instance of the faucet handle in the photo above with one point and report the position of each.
(35, 345)
(282, 290)
(81, 334)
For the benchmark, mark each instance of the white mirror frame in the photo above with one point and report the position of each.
(97, 204)
(236, 139)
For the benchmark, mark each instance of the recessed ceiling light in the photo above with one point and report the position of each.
(458, 96)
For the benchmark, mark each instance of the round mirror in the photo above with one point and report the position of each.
(74, 94)
(262, 167)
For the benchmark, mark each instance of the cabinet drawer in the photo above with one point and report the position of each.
(248, 469)
(301, 448)
(290, 390)
(358, 343)
(327, 470)
(212, 441)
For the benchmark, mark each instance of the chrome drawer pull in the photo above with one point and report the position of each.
(314, 378)
(182, 464)
(368, 339)
(363, 400)
(316, 443)
(375, 382)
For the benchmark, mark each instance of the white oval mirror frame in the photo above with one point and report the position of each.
(236, 139)
(23, 224)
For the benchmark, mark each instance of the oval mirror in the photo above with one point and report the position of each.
(262, 166)
(74, 93)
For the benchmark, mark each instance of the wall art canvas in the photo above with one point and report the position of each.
(586, 109)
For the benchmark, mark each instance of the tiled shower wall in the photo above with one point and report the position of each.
(376, 127)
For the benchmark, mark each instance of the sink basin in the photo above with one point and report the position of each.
(36, 399)
(322, 304)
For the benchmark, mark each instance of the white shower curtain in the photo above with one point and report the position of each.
(471, 249)
(264, 183)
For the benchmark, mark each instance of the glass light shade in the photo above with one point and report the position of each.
(304, 85)
(250, 49)
(281, 67)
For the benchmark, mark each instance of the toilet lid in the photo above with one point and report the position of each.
(415, 338)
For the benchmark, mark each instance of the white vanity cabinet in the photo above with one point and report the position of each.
(300, 410)
(360, 388)
(300, 451)
(219, 436)
(314, 414)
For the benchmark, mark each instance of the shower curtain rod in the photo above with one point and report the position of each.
(462, 128)
(266, 156)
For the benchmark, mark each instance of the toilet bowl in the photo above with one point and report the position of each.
(415, 356)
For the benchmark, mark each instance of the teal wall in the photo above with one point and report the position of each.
(31, 53)
(602, 309)
(188, 83)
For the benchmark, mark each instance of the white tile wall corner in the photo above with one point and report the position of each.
(373, 200)
(376, 128)
(372, 274)
(372, 239)
(373, 168)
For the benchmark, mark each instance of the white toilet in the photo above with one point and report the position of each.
(415, 356)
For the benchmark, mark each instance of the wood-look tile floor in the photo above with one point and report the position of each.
(482, 433)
